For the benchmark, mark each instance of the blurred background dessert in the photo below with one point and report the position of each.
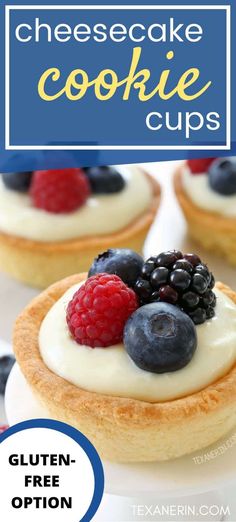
(53, 223)
(206, 191)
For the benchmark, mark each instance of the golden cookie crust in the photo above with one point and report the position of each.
(123, 429)
(214, 232)
(40, 264)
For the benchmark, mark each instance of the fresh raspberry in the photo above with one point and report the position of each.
(98, 311)
(59, 191)
(3, 428)
(200, 165)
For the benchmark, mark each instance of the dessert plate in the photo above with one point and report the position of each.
(193, 474)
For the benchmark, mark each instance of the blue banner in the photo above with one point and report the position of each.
(90, 84)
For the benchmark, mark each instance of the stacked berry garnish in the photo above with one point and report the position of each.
(64, 191)
(151, 306)
(178, 279)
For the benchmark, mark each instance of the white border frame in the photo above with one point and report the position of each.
(8, 146)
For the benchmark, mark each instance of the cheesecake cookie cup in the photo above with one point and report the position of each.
(46, 235)
(206, 191)
(142, 362)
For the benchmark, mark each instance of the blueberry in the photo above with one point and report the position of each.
(222, 176)
(19, 181)
(6, 363)
(123, 262)
(180, 279)
(105, 180)
(160, 338)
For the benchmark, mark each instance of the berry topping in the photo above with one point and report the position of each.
(123, 262)
(19, 181)
(97, 314)
(105, 180)
(160, 338)
(199, 166)
(178, 279)
(59, 191)
(222, 176)
(6, 363)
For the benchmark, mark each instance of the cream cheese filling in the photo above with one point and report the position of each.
(110, 370)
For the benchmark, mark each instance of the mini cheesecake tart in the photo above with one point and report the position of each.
(210, 211)
(143, 378)
(39, 247)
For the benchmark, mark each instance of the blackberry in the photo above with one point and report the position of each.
(179, 279)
